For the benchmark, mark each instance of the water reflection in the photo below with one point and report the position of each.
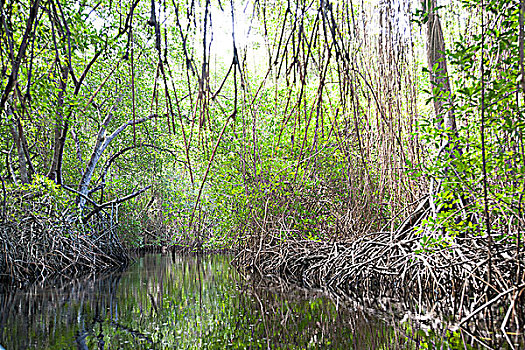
(182, 302)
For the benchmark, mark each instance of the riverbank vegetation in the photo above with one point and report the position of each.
(373, 150)
(41, 237)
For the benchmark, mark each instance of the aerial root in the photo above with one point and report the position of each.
(38, 241)
(396, 273)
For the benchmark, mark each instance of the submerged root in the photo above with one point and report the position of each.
(396, 272)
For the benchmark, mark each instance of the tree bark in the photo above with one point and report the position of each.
(16, 129)
(13, 77)
(521, 44)
(446, 121)
(437, 66)
(61, 128)
(102, 143)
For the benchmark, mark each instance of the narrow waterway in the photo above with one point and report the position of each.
(182, 302)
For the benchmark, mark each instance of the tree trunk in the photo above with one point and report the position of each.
(102, 143)
(437, 66)
(100, 146)
(61, 128)
(16, 132)
(446, 121)
(15, 66)
(521, 44)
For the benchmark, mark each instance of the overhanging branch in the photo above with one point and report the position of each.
(115, 201)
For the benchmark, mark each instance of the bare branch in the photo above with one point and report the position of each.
(116, 201)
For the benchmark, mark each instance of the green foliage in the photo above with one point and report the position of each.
(42, 198)
(322, 138)
(460, 166)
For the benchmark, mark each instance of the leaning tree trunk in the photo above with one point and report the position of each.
(103, 141)
(437, 66)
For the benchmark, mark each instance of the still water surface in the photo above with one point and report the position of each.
(181, 302)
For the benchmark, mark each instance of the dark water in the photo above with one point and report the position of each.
(183, 302)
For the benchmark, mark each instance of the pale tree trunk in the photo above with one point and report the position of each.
(101, 144)
(437, 65)
(446, 121)
(440, 84)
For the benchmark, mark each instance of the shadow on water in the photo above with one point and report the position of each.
(185, 302)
